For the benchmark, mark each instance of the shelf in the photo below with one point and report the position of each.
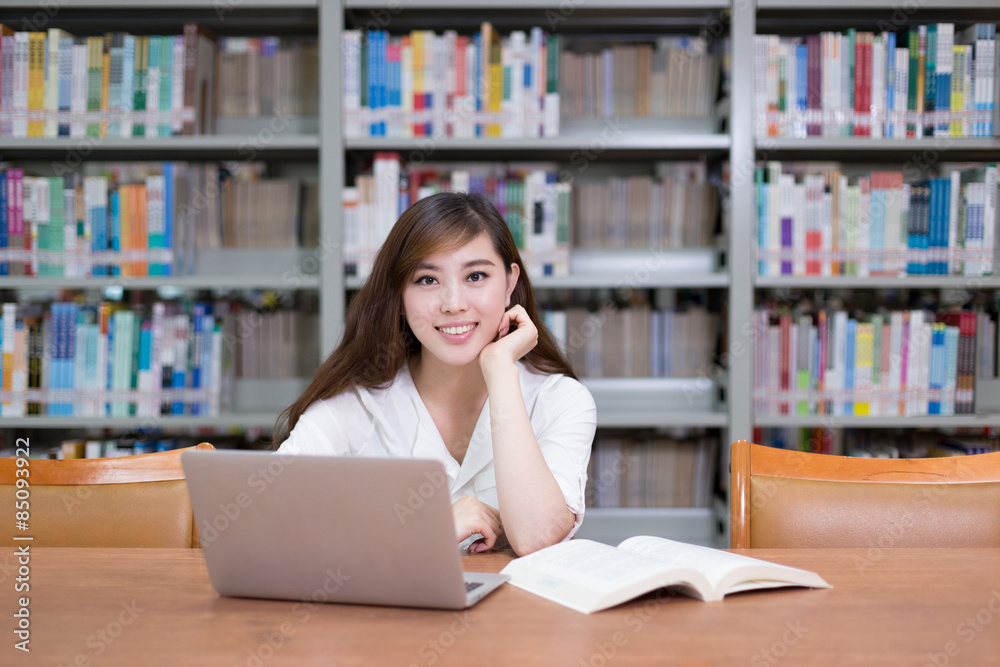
(204, 146)
(708, 280)
(154, 282)
(626, 419)
(656, 402)
(620, 146)
(820, 5)
(612, 525)
(928, 421)
(932, 149)
(261, 419)
(169, 4)
(603, 281)
(534, 4)
(879, 282)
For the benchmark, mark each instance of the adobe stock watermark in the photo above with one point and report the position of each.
(417, 496)
(633, 623)
(432, 649)
(303, 610)
(103, 638)
(967, 630)
(230, 512)
(779, 648)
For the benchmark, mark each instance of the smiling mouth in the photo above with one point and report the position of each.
(457, 331)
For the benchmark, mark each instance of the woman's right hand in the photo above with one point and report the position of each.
(474, 516)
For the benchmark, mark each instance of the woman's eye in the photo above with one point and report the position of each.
(425, 280)
(477, 276)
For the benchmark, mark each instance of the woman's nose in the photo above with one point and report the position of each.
(453, 299)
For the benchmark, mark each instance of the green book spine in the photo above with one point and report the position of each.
(95, 61)
(57, 225)
(552, 64)
(166, 83)
(912, 75)
(139, 84)
(930, 83)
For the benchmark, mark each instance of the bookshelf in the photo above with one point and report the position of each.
(789, 18)
(633, 404)
(290, 145)
(335, 157)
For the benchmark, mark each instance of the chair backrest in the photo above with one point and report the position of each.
(787, 499)
(128, 501)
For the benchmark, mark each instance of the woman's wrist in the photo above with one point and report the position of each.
(496, 367)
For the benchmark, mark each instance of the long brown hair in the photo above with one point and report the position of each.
(377, 339)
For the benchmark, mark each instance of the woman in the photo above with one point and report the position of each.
(442, 358)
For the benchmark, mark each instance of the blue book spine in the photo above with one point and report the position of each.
(849, 361)
(4, 222)
(197, 341)
(115, 231)
(72, 322)
(58, 353)
(430, 43)
(925, 227)
(941, 226)
(384, 79)
(477, 66)
(372, 42)
(942, 102)
(935, 380)
(99, 233)
(180, 365)
(801, 83)
(395, 89)
(912, 229)
(145, 358)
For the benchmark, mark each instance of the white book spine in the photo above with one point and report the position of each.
(954, 200)
(21, 84)
(177, 85)
(128, 85)
(878, 104)
(989, 219)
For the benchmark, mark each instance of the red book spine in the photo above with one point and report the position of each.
(859, 77)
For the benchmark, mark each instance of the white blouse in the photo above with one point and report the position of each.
(395, 422)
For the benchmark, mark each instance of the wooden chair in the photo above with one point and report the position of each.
(786, 499)
(130, 501)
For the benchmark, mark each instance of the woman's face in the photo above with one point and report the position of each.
(455, 299)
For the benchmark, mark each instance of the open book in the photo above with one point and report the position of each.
(589, 576)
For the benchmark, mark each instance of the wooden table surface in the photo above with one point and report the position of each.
(156, 607)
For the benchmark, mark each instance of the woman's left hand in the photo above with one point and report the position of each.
(511, 345)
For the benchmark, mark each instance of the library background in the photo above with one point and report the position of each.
(772, 220)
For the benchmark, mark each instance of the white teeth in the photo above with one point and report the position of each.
(458, 330)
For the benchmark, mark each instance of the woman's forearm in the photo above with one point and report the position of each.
(532, 507)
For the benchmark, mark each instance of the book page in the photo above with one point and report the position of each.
(588, 576)
(728, 573)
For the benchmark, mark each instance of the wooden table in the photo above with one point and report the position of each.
(156, 607)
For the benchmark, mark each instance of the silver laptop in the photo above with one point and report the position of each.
(330, 529)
